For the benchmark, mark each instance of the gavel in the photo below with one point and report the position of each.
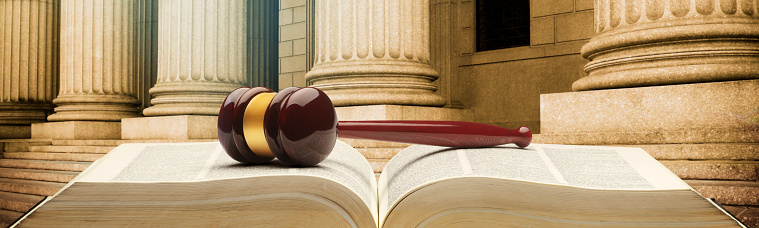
(299, 126)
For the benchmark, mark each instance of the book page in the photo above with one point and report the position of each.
(187, 162)
(578, 166)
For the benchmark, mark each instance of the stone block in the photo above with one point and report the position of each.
(583, 5)
(299, 47)
(285, 17)
(170, 127)
(285, 4)
(293, 64)
(299, 79)
(575, 26)
(285, 80)
(299, 14)
(380, 153)
(717, 112)
(539, 8)
(292, 31)
(285, 49)
(542, 31)
(77, 130)
(15, 131)
(467, 11)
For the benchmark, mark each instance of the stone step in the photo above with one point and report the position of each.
(52, 156)
(8, 217)
(18, 202)
(35, 174)
(378, 164)
(714, 170)
(44, 164)
(71, 149)
(728, 192)
(41, 188)
(21, 144)
(707, 151)
(748, 215)
(114, 143)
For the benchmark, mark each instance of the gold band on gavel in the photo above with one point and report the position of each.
(253, 124)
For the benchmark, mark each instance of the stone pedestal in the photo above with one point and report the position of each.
(374, 53)
(664, 42)
(28, 64)
(180, 127)
(98, 61)
(201, 56)
(77, 130)
(679, 79)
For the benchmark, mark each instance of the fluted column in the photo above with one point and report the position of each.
(374, 52)
(201, 56)
(28, 60)
(98, 61)
(661, 42)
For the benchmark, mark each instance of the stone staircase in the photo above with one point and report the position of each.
(31, 170)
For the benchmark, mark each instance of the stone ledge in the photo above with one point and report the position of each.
(694, 136)
(181, 127)
(673, 108)
(77, 130)
(706, 151)
(714, 170)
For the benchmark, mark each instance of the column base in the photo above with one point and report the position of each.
(188, 98)
(93, 107)
(77, 130)
(180, 127)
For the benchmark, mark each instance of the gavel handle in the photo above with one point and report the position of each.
(436, 133)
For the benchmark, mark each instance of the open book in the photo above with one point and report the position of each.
(198, 185)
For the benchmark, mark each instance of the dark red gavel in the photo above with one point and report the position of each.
(299, 126)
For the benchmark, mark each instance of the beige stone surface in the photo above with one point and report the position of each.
(583, 5)
(401, 112)
(29, 34)
(670, 43)
(714, 170)
(749, 216)
(15, 131)
(574, 26)
(703, 151)
(507, 94)
(728, 192)
(690, 113)
(542, 31)
(170, 127)
(374, 53)
(99, 61)
(77, 130)
(201, 56)
(540, 8)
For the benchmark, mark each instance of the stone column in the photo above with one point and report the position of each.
(661, 42)
(28, 64)
(98, 61)
(201, 56)
(374, 52)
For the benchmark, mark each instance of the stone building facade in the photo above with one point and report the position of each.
(678, 78)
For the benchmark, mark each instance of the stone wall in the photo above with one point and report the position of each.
(293, 30)
(503, 87)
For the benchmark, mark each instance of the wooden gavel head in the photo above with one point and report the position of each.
(296, 125)
(299, 126)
